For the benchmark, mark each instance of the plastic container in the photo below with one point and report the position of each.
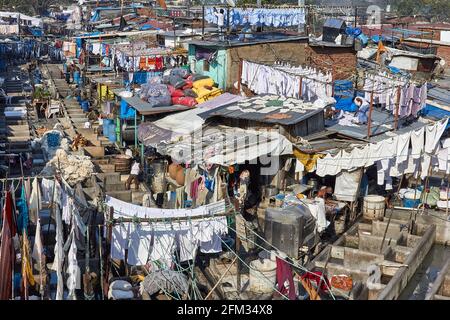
(85, 105)
(373, 208)
(262, 275)
(411, 203)
(106, 127)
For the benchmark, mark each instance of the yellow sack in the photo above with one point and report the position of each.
(208, 82)
(205, 96)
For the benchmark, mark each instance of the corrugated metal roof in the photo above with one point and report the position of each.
(381, 122)
(334, 23)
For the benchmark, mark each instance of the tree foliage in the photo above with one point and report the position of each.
(31, 7)
(438, 10)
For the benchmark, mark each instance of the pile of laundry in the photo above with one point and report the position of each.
(178, 87)
(74, 168)
(50, 142)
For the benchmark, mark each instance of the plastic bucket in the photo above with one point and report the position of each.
(262, 275)
(85, 105)
(373, 208)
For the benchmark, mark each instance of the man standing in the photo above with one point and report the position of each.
(135, 169)
(220, 22)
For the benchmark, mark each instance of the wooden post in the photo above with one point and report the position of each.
(238, 265)
(369, 120)
(108, 251)
(300, 89)
(397, 108)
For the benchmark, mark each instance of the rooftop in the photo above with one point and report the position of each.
(268, 109)
(258, 38)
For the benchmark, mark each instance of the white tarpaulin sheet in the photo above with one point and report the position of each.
(346, 187)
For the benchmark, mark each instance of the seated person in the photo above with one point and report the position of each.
(363, 108)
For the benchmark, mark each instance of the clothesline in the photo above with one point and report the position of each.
(293, 73)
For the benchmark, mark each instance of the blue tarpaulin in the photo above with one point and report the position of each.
(126, 112)
(435, 113)
(37, 32)
(148, 27)
(346, 104)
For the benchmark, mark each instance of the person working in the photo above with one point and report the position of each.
(135, 169)
(220, 22)
(363, 108)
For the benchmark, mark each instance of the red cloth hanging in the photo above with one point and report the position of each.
(315, 276)
(7, 249)
(159, 64)
(284, 272)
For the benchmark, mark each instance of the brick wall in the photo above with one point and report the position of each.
(342, 61)
(444, 53)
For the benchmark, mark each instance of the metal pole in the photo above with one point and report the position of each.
(228, 22)
(203, 22)
(397, 108)
(356, 15)
(369, 120)
(135, 128)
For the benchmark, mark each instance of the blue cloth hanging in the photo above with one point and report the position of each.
(21, 205)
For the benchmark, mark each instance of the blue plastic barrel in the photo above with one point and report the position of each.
(85, 105)
(112, 132)
(363, 38)
(76, 77)
(106, 126)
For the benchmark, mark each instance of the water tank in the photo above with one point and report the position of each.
(286, 229)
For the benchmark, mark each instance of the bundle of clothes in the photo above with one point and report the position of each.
(178, 87)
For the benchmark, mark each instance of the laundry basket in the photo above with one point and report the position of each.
(373, 208)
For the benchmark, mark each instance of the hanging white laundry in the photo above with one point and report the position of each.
(329, 165)
(37, 247)
(48, 192)
(433, 135)
(73, 270)
(380, 173)
(402, 147)
(59, 255)
(163, 247)
(317, 210)
(139, 245)
(212, 246)
(442, 157)
(187, 243)
(425, 165)
(417, 142)
(35, 204)
(67, 207)
(119, 240)
(412, 165)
